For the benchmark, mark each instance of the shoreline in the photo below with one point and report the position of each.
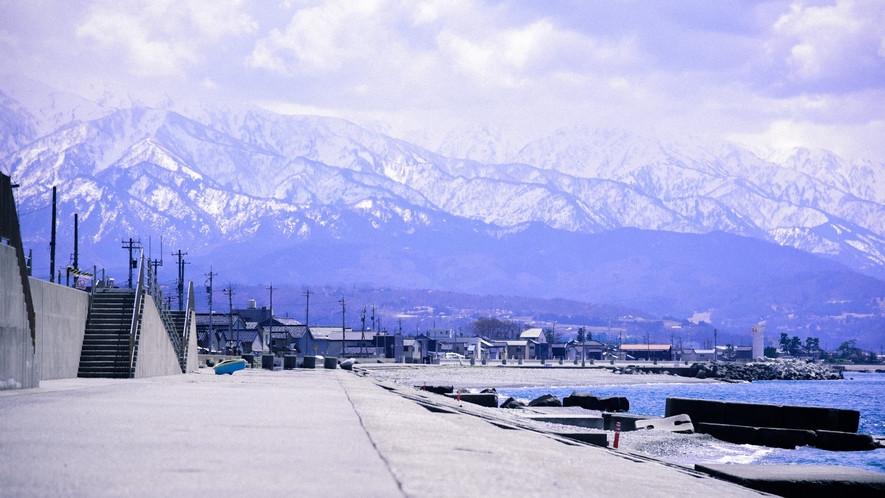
(512, 377)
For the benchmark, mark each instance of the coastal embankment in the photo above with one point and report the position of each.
(300, 432)
(622, 373)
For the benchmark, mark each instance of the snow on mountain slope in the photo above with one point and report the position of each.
(482, 144)
(229, 174)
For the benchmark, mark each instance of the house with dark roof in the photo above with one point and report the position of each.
(244, 341)
(284, 334)
(357, 342)
(211, 331)
(575, 350)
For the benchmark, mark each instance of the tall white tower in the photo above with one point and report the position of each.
(758, 340)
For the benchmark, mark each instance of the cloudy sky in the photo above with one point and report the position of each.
(770, 74)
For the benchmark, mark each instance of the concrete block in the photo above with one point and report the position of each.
(594, 438)
(737, 434)
(676, 423)
(813, 418)
(628, 422)
(588, 421)
(289, 361)
(309, 362)
(489, 400)
(267, 361)
(752, 414)
(785, 438)
(545, 400)
(330, 363)
(801, 481)
(511, 403)
(844, 441)
(699, 410)
(437, 389)
(590, 402)
(761, 415)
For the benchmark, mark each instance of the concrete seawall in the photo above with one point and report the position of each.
(156, 355)
(18, 369)
(61, 323)
(192, 347)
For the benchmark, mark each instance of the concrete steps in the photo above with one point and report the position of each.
(106, 343)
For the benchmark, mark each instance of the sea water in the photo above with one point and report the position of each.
(864, 392)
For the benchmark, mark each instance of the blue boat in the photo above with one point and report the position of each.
(229, 366)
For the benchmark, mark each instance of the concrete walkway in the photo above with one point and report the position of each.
(304, 432)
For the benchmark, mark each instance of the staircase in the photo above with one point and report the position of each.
(106, 345)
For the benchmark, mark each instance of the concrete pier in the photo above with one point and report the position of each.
(298, 432)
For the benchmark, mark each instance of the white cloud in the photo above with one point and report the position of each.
(832, 41)
(325, 38)
(162, 37)
(776, 71)
(846, 140)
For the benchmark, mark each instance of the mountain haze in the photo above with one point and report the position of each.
(796, 237)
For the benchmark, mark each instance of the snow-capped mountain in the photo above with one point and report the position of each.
(209, 179)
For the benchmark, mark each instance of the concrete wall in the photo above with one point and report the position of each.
(18, 369)
(192, 347)
(156, 355)
(61, 324)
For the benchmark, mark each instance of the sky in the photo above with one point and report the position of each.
(770, 74)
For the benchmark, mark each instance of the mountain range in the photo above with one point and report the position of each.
(674, 228)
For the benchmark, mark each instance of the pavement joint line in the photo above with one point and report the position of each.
(371, 440)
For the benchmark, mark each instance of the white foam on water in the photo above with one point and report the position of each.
(756, 454)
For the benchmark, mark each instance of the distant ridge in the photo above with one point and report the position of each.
(600, 216)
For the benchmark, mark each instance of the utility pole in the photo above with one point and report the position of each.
(181, 263)
(76, 249)
(209, 294)
(307, 294)
(156, 264)
(132, 244)
(373, 319)
(229, 292)
(647, 348)
(363, 333)
(715, 353)
(270, 333)
(343, 312)
(52, 242)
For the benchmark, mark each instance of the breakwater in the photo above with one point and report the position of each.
(765, 369)
(762, 369)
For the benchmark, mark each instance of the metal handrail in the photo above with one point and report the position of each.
(135, 327)
(11, 230)
(147, 284)
(186, 330)
(169, 324)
